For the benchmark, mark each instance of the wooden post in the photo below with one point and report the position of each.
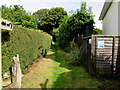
(93, 53)
(113, 50)
(16, 72)
(95, 59)
(89, 62)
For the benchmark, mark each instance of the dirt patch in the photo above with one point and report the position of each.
(34, 66)
(37, 75)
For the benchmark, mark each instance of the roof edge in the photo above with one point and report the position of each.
(105, 8)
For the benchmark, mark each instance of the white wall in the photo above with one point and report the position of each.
(119, 18)
(110, 21)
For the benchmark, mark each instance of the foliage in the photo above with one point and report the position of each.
(40, 14)
(19, 16)
(57, 73)
(55, 34)
(77, 56)
(29, 44)
(73, 45)
(79, 23)
(51, 19)
(97, 31)
(63, 39)
(72, 79)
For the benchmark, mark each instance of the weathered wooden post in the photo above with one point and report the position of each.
(16, 72)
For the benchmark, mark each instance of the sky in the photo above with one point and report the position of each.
(68, 5)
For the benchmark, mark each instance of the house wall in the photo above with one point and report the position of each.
(119, 18)
(110, 21)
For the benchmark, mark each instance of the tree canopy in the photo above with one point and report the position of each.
(19, 16)
(77, 24)
(40, 14)
(50, 19)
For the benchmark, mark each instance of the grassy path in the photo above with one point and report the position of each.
(42, 73)
(55, 72)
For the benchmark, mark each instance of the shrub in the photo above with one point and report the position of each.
(77, 56)
(79, 23)
(55, 34)
(97, 31)
(29, 44)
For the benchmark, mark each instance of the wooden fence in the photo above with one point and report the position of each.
(103, 54)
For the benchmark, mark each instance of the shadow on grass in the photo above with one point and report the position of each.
(78, 77)
(45, 83)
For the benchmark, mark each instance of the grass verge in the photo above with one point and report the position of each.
(55, 72)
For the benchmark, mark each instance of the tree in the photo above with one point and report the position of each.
(76, 25)
(83, 7)
(97, 31)
(19, 16)
(5, 12)
(52, 19)
(40, 14)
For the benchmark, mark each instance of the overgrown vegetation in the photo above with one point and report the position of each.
(76, 25)
(97, 31)
(43, 19)
(62, 69)
(56, 72)
(66, 30)
(19, 16)
(77, 57)
(49, 19)
(29, 44)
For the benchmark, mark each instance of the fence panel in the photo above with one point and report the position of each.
(103, 54)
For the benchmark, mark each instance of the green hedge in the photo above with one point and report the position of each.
(29, 44)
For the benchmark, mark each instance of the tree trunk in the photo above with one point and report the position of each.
(79, 40)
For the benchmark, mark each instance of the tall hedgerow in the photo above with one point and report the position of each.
(29, 44)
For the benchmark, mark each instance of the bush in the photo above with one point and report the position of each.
(77, 56)
(29, 44)
(97, 31)
(79, 23)
(63, 39)
(55, 34)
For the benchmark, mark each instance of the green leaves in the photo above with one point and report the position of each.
(50, 19)
(19, 16)
(29, 44)
(79, 23)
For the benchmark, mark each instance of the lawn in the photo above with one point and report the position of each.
(54, 71)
